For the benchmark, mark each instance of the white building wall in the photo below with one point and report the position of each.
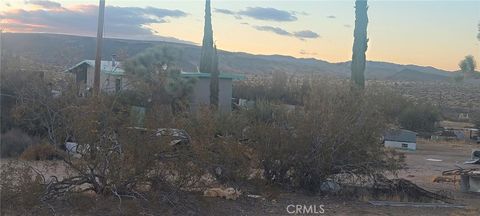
(107, 81)
(401, 145)
(225, 95)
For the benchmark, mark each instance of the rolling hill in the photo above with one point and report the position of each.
(63, 51)
(415, 75)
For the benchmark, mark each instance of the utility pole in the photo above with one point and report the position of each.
(98, 57)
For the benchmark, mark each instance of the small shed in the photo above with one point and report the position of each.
(401, 139)
(201, 91)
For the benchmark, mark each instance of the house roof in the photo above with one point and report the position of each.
(106, 67)
(401, 135)
(207, 75)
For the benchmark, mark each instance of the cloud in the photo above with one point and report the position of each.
(261, 13)
(271, 14)
(45, 4)
(331, 17)
(275, 30)
(303, 13)
(302, 35)
(224, 11)
(306, 34)
(124, 22)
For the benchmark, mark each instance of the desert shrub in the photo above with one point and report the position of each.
(21, 188)
(12, 82)
(390, 103)
(14, 142)
(216, 143)
(280, 88)
(419, 117)
(41, 152)
(476, 120)
(38, 112)
(263, 111)
(337, 133)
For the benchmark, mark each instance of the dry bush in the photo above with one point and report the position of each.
(22, 189)
(337, 132)
(14, 142)
(114, 158)
(281, 87)
(41, 152)
(216, 143)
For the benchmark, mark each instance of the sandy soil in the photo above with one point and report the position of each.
(452, 155)
(419, 170)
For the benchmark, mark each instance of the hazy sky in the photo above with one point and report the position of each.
(430, 33)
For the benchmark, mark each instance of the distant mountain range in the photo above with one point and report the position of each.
(64, 51)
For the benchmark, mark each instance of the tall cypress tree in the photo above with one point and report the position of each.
(214, 80)
(360, 43)
(207, 45)
(209, 58)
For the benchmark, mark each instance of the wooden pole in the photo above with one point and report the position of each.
(98, 57)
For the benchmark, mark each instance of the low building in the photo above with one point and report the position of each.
(461, 134)
(463, 116)
(112, 76)
(113, 79)
(201, 91)
(401, 139)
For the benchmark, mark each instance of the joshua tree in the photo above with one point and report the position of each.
(468, 64)
(360, 43)
(209, 58)
(154, 75)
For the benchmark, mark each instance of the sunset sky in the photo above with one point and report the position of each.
(428, 33)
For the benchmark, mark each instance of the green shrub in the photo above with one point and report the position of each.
(419, 118)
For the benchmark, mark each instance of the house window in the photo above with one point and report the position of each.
(118, 85)
(404, 145)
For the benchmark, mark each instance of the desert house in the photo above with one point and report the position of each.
(112, 76)
(113, 79)
(401, 139)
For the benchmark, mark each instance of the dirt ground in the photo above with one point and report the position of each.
(419, 170)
